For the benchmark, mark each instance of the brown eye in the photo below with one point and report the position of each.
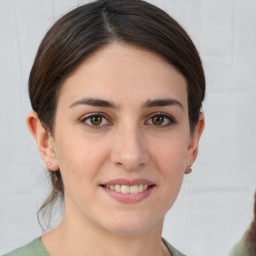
(96, 120)
(161, 120)
(158, 120)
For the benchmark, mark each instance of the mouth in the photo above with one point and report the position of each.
(126, 189)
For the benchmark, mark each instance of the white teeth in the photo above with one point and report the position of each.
(117, 188)
(134, 189)
(125, 189)
(140, 188)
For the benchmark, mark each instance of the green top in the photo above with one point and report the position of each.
(36, 248)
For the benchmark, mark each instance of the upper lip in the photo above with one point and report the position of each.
(128, 182)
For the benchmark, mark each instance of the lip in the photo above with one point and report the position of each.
(128, 198)
(129, 182)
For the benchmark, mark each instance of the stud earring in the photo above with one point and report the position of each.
(48, 163)
(189, 169)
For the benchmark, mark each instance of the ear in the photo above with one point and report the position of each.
(44, 141)
(194, 140)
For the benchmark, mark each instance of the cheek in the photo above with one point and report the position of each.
(170, 154)
(171, 167)
(169, 157)
(79, 158)
(80, 161)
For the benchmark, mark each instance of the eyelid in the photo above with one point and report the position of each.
(87, 116)
(172, 120)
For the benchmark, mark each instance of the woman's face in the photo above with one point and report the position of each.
(122, 139)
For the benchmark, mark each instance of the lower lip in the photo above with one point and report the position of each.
(129, 198)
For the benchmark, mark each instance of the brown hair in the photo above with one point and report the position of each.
(91, 26)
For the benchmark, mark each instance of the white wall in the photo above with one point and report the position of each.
(215, 204)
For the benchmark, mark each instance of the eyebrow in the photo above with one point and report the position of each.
(94, 102)
(162, 103)
(148, 104)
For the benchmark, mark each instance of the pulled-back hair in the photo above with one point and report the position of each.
(92, 26)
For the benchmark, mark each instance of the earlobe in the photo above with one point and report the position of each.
(44, 141)
(194, 140)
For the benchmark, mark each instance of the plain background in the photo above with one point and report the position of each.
(215, 204)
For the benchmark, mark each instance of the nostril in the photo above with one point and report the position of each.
(119, 164)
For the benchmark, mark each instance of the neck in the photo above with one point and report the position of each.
(86, 238)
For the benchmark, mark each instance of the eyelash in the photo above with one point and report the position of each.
(89, 117)
(171, 120)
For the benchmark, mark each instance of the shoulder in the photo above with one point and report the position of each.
(172, 250)
(34, 248)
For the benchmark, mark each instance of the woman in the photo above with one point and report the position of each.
(116, 90)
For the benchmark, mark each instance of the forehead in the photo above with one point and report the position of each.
(124, 73)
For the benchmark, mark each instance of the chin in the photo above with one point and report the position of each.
(129, 231)
(133, 225)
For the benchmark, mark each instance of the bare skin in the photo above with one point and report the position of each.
(123, 114)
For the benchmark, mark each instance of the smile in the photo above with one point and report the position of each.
(125, 189)
(128, 191)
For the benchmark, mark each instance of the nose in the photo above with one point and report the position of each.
(129, 150)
